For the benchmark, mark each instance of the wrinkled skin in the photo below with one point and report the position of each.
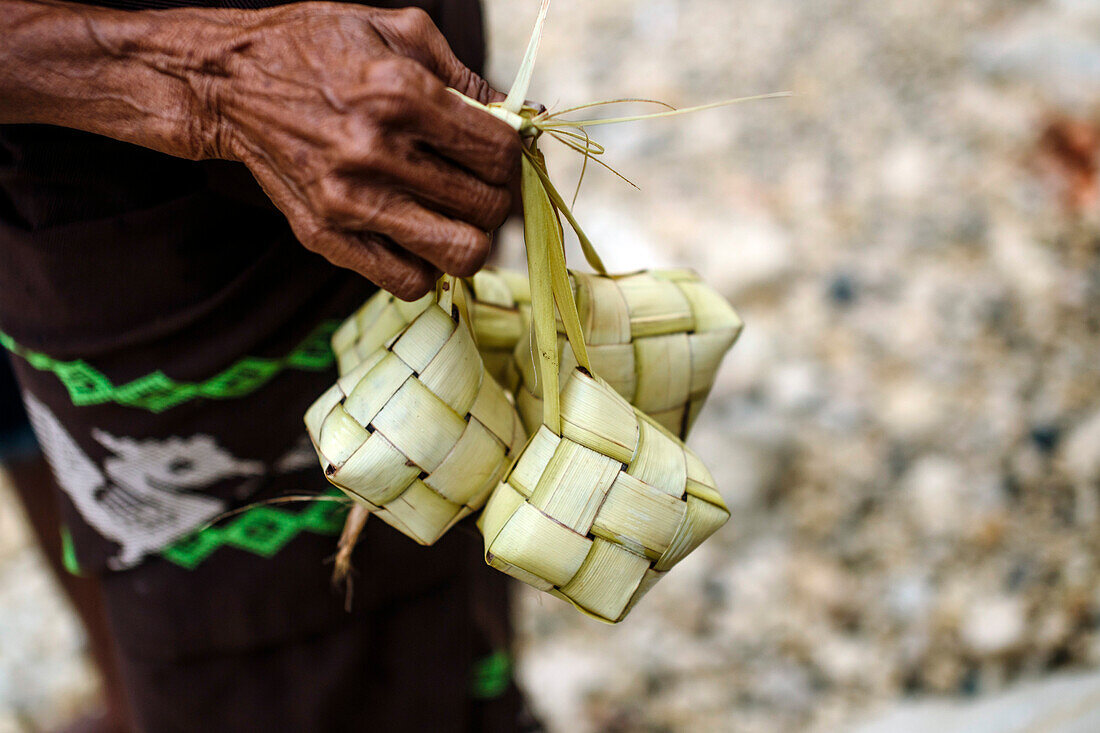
(354, 136)
(340, 111)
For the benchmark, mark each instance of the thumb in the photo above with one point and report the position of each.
(411, 32)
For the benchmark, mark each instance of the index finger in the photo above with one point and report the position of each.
(469, 137)
(411, 32)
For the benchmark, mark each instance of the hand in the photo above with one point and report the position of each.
(343, 115)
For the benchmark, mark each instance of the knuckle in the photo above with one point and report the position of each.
(367, 216)
(314, 241)
(410, 283)
(329, 245)
(387, 77)
(393, 85)
(467, 253)
(413, 21)
(393, 72)
(363, 152)
(330, 197)
(336, 202)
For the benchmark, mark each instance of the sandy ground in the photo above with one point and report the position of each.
(908, 432)
(45, 676)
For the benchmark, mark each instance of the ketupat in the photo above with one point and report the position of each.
(597, 514)
(500, 312)
(603, 500)
(374, 325)
(658, 337)
(418, 431)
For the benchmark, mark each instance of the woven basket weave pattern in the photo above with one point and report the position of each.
(373, 326)
(417, 430)
(500, 315)
(599, 514)
(657, 337)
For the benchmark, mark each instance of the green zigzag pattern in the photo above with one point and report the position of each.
(262, 530)
(157, 392)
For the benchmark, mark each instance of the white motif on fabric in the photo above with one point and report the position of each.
(144, 502)
(298, 458)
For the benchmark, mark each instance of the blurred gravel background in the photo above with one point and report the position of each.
(908, 432)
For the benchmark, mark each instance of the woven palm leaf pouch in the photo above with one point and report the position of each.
(657, 337)
(417, 431)
(499, 309)
(603, 500)
(500, 313)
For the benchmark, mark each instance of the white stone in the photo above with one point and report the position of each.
(796, 386)
(1081, 451)
(935, 486)
(994, 625)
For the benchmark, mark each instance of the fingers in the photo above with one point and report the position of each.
(476, 141)
(400, 272)
(407, 101)
(389, 174)
(395, 162)
(468, 136)
(453, 191)
(452, 246)
(411, 32)
(387, 266)
(473, 139)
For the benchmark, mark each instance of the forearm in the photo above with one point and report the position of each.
(142, 77)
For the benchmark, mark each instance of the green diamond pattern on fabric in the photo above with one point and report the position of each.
(191, 551)
(262, 530)
(154, 392)
(157, 392)
(325, 517)
(238, 379)
(491, 676)
(313, 355)
(83, 381)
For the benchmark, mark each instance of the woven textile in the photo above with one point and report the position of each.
(417, 430)
(597, 515)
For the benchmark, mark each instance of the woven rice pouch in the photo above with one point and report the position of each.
(499, 304)
(500, 313)
(658, 337)
(418, 431)
(603, 500)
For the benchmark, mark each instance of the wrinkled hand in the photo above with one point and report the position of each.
(343, 116)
